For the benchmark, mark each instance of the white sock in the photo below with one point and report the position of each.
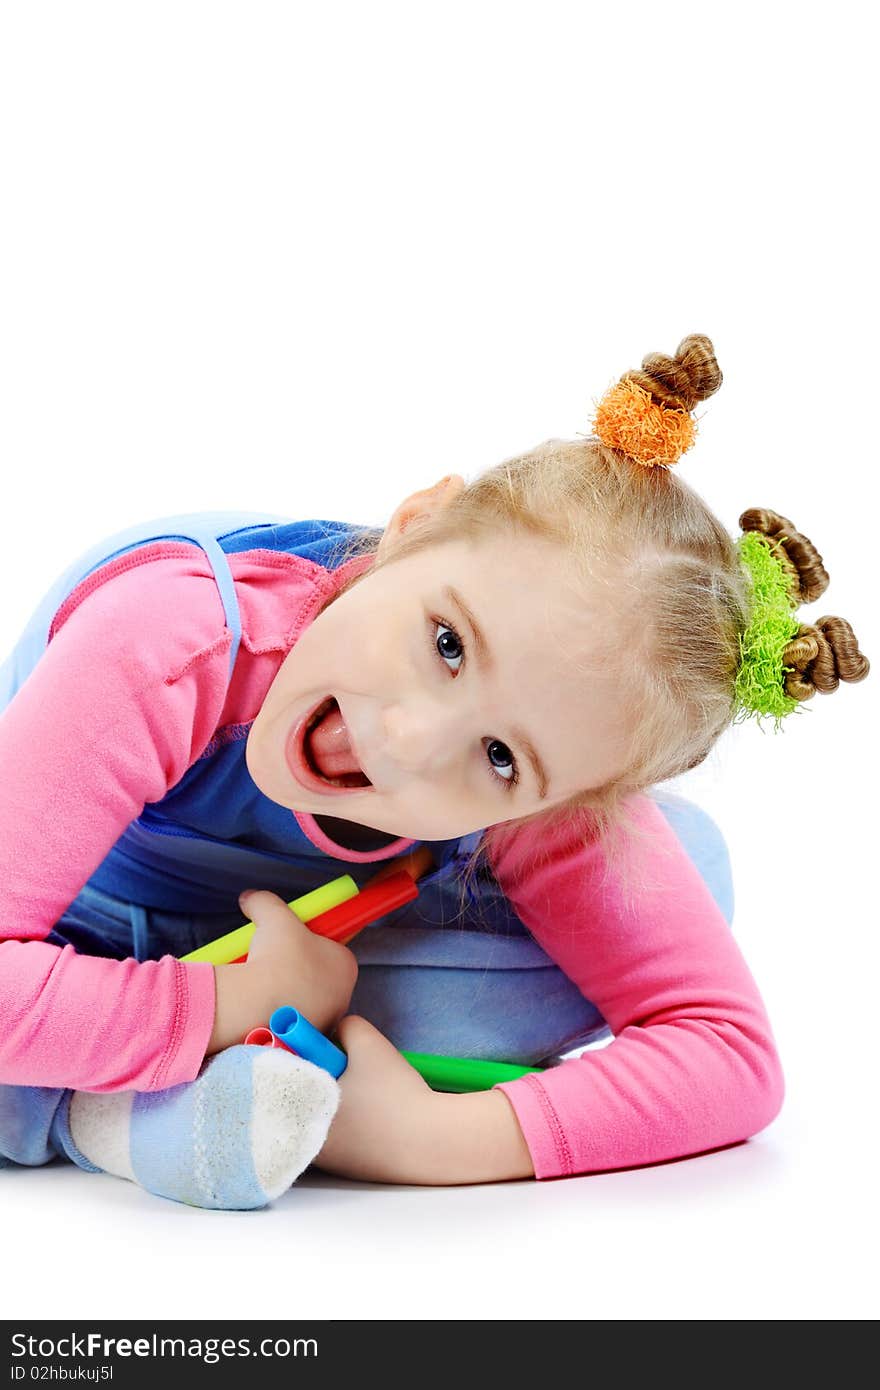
(234, 1138)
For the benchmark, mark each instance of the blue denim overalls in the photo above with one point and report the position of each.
(433, 977)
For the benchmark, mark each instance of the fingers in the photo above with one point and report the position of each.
(276, 923)
(263, 906)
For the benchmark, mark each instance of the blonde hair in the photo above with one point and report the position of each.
(674, 579)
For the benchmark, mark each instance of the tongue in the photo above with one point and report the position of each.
(330, 747)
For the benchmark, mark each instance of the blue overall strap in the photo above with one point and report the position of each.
(205, 529)
(200, 527)
(140, 925)
(226, 586)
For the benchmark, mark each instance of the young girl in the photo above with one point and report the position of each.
(214, 702)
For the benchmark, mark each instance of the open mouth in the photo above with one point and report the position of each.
(344, 781)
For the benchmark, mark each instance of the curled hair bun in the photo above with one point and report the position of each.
(797, 552)
(824, 653)
(646, 414)
(681, 381)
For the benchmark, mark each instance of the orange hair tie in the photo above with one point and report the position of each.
(628, 418)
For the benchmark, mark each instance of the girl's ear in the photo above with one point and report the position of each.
(419, 506)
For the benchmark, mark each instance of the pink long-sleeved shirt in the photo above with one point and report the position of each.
(128, 693)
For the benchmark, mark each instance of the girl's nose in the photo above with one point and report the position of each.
(418, 737)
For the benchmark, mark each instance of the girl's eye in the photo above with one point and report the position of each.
(444, 642)
(449, 647)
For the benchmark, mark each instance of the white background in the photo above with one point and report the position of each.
(311, 258)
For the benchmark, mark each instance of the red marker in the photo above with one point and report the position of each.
(264, 1037)
(374, 900)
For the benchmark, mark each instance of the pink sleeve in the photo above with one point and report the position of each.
(693, 1065)
(127, 693)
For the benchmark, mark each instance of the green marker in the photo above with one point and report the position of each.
(464, 1073)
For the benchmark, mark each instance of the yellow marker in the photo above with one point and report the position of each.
(237, 943)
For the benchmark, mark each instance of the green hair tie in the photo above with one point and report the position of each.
(760, 681)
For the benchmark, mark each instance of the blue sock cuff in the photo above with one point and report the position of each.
(63, 1139)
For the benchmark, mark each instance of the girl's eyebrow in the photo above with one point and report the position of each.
(484, 656)
(486, 662)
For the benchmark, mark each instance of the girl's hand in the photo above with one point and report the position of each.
(383, 1129)
(287, 964)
